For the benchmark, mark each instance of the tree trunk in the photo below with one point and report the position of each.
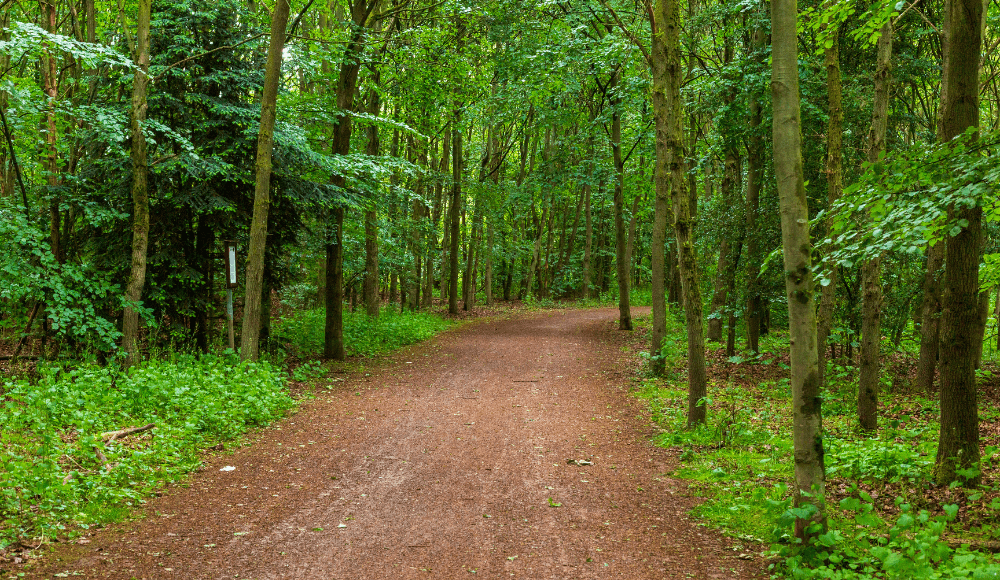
(667, 79)
(930, 319)
(347, 83)
(621, 244)
(871, 282)
(661, 201)
(834, 187)
(250, 332)
(755, 176)
(807, 431)
(588, 244)
(140, 191)
(729, 249)
(984, 317)
(456, 203)
(370, 288)
(958, 446)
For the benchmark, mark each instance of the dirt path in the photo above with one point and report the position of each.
(440, 464)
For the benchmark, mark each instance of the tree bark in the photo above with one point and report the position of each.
(140, 189)
(807, 432)
(670, 159)
(621, 244)
(871, 282)
(661, 201)
(347, 83)
(834, 188)
(958, 445)
(250, 332)
(456, 203)
(755, 173)
(370, 288)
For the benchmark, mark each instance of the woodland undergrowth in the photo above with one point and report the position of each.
(63, 470)
(887, 517)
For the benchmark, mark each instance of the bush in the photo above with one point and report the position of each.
(363, 335)
(55, 470)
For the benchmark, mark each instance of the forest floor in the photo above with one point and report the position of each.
(504, 448)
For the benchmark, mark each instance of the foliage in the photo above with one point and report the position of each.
(363, 335)
(884, 521)
(56, 472)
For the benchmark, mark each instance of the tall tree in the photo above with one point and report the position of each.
(249, 337)
(347, 85)
(140, 187)
(807, 421)
(871, 279)
(958, 445)
(667, 79)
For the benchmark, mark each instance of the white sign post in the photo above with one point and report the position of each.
(230, 284)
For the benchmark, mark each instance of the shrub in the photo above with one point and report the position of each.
(57, 472)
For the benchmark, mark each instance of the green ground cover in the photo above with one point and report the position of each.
(58, 475)
(887, 519)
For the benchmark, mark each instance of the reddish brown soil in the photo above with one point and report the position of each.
(446, 461)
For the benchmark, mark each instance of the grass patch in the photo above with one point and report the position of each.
(887, 519)
(364, 335)
(57, 475)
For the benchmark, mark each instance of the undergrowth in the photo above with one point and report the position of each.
(886, 517)
(58, 475)
(364, 335)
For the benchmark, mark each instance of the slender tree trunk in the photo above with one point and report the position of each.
(456, 203)
(370, 289)
(621, 244)
(661, 199)
(670, 148)
(140, 190)
(250, 333)
(930, 319)
(589, 236)
(347, 82)
(871, 280)
(958, 446)
(834, 187)
(50, 80)
(807, 434)
(755, 173)
(731, 245)
(984, 317)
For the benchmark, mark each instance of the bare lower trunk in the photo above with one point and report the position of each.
(661, 209)
(871, 301)
(456, 203)
(958, 445)
(871, 334)
(930, 319)
(755, 172)
(621, 244)
(670, 148)
(333, 345)
(834, 187)
(588, 243)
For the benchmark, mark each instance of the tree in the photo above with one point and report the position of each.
(140, 193)
(869, 379)
(958, 444)
(807, 417)
(667, 79)
(249, 342)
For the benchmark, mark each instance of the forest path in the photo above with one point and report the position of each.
(439, 463)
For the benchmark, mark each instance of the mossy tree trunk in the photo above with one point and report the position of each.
(807, 421)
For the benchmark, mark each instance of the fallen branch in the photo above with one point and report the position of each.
(110, 436)
(974, 545)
